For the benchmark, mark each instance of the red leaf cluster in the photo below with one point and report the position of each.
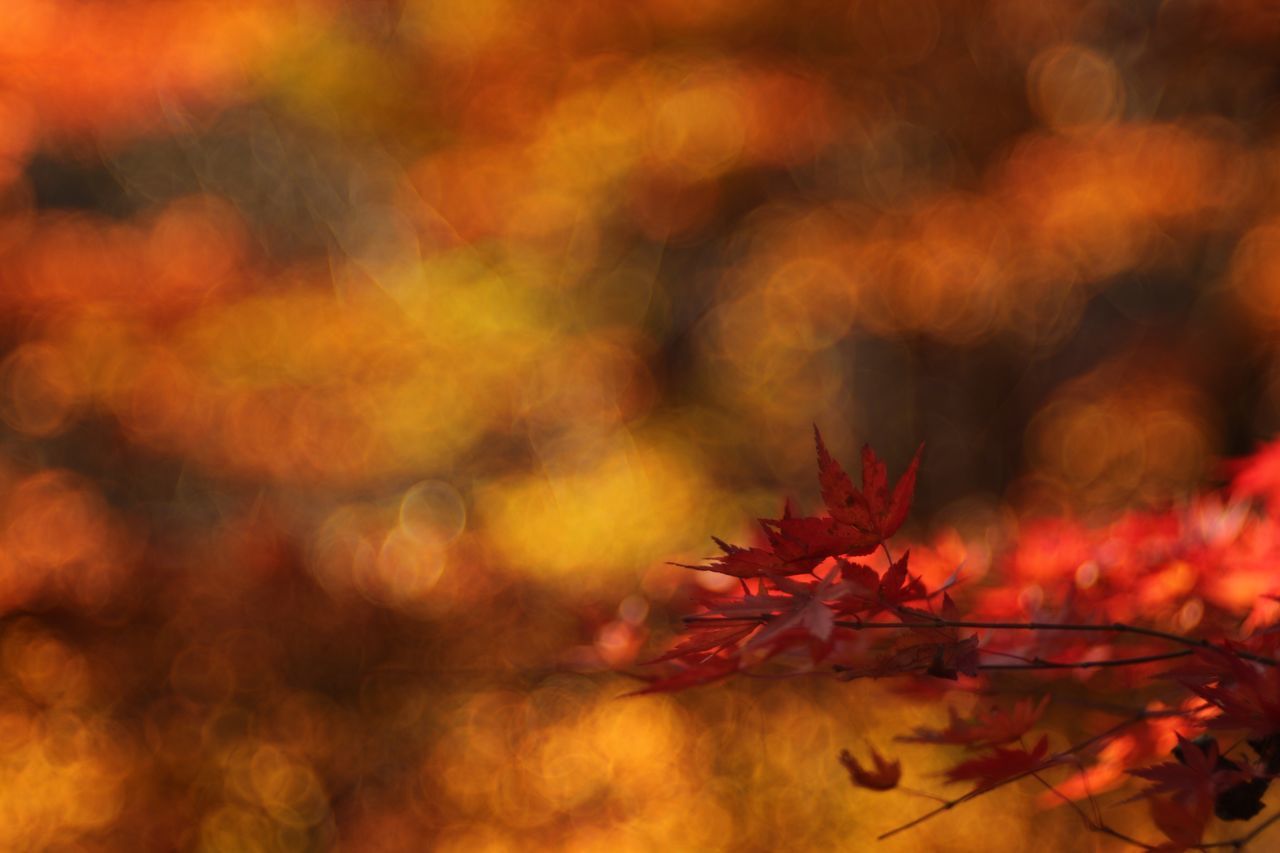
(1181, 602)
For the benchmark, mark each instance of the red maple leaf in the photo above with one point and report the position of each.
(1188, 791)
(865, 593)
(884, 777)
(742, 562)
(1247, 698)
(1002, 765)
(988, 728)
(705, 639)
(709, 670)
(872, 510)
(807, 619)
(858, 523)
(946, 659)
(1183, 824)
(897, 587)
(802, 543)
(1193, 776)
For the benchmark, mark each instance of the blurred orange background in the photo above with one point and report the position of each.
(364, 363)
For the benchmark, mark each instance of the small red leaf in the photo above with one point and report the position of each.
(1001, 765)
(705, 639)
(705, 673)
(1181, 822)
(988, 728)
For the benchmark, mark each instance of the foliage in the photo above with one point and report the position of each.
(1174, 608)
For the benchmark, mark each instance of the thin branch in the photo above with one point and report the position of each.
(939, 622)
(1038, 663)
(1094, 825)
(978, 792)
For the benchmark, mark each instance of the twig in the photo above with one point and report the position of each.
(1095, 825)
(978, 792)
(939, 622)
(1038, 663)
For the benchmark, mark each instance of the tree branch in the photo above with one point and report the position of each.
(924, 621)
(1094, 825)
(1038, 663)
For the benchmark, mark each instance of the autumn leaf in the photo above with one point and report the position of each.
(1181, 823)
(1201, 773)
(801, 543)
(872, 510)
(713, 669)
(898, 587)
(988, 728)
(948, 659)
(858, 523)
(884, 777)
(1247, 698)
(1001, 765)
(808, 619)
(1193, 770)
(742, 562)
(705, 639)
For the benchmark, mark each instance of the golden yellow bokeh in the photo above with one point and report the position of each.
(365, 366)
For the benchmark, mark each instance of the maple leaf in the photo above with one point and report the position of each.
(742, 562)
(884, 777)
(1195, 768)
(1247, 699)
(858, 523)
(866, 593)
(802, 543)
(1181, 823)
(858, 592)
(706, 638)
(872, 510)
(1001, 765)
(897, 586)
(712, 669)
(948, 659)
(1201, 775)
(809, 619)
(988, 728)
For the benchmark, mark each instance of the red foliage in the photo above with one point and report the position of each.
(1179, 602)
(990, 728)
(1002, 765)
